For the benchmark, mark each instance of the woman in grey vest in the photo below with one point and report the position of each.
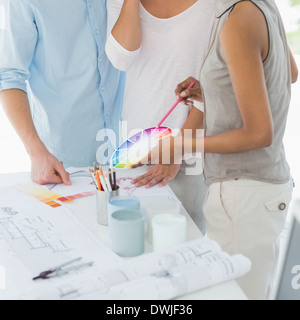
(246, 86)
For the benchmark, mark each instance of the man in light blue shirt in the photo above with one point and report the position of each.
(56, 84)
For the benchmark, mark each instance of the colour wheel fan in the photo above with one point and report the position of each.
(138, 146)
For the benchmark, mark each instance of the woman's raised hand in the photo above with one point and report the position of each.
(195, 93)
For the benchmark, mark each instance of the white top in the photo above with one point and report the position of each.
(172, 50)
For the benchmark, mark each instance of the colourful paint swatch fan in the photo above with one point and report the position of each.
(138, 146)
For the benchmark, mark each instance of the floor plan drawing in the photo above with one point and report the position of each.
(36, 232)
(35, 238)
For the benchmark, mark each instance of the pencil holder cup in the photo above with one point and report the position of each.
(103, 199)
(127, 232)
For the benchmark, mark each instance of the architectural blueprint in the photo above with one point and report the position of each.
(34, 238)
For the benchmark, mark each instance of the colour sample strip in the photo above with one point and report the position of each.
(47, 197)
(50, 198)
(77, 196)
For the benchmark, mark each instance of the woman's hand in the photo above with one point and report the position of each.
(167, 151)
(160, 174)
(188, 95)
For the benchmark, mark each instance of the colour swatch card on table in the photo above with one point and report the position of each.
(47, 197)
(82, 186)
(53, 194)
(138, 146)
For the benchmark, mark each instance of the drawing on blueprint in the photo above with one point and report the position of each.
(34, 231)
(126, 186)
(9, 211)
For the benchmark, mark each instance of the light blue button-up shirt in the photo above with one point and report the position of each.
(55, 51)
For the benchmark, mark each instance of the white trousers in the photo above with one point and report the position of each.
(191, 190)
(247, 217)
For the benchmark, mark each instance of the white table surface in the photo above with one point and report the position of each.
(85, 210)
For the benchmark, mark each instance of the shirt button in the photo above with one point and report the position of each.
(282, 206)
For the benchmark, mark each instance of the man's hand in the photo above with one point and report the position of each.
(159, 174)
(45, 169)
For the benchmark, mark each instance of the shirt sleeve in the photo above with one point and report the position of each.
(18, 37)
(199, 105)
(120, 57)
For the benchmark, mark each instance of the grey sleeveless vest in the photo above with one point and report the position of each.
(222, 112)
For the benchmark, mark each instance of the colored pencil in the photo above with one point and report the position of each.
(115, 179)
(93, 176)
(109, 186)
(175, 105)
(95, 166)
(99, 181)
(102, 179)
(110, 178)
